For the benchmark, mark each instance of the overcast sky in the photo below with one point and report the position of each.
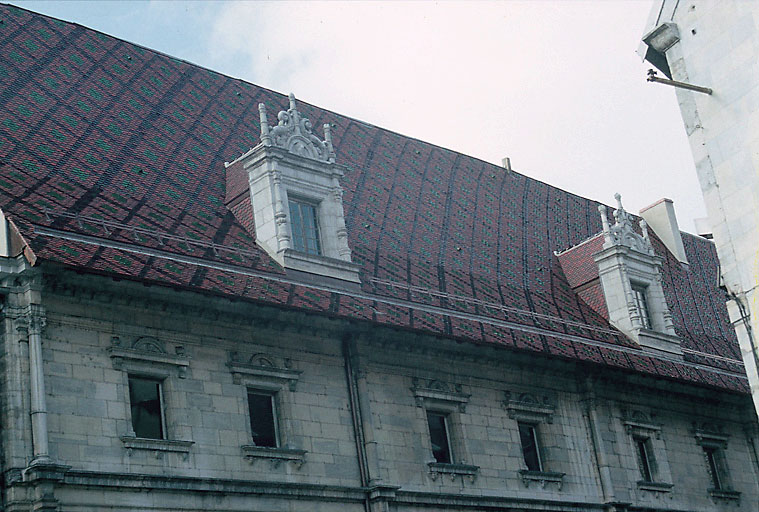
(554, 85)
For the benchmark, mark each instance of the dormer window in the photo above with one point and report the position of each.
(630, 275)
(641, 304)
(304, 226)
(297, 201)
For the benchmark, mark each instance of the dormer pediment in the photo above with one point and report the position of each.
(295, 195)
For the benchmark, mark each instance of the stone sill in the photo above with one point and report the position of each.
(660, 343)
(542, 477)
(725, 494)
(274, 455)
(320, 265)
(454, 470)
(655, 486)
(157, 445)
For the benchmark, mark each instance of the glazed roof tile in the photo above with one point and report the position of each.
(113, 158)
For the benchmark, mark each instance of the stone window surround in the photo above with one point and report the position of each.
(292, 160)
(641, 428)
(329, 262)
(167, 444)
(718, 441)
(279, 382)
(147, 357)
(438, 397)
(533, 410)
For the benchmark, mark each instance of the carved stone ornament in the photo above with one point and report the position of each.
(157, 446)
(710, 434)
(542, 478)
(145, 352)
(438, 394)
(30, 319)
(294, 133)
(275, 455)
(262, 370)
(463, 471)
(623, 231)
(529, 407)
(639, 423)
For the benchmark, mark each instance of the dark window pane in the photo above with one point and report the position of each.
(529, 447)
(304, 227)
(439, 437)
(641, 302)
(643, 460)
(262, 427)
(145, 402)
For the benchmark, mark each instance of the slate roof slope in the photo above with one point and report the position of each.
(112, 161)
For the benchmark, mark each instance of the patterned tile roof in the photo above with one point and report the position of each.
(112, 160)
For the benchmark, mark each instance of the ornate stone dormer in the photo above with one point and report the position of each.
(630, 275)
(296, 197)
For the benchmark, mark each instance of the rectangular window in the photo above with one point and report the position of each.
(641, 303)
(530, 449)
(441, 447)
(263, 424)
(147, 407)
(304, 226)
(715, 466)
(644, 458)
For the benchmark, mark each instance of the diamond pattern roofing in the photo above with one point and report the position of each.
(113, 158)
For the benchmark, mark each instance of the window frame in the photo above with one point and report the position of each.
(533, 430)
(641, 428)
(646, 459)
(640, 298)
(446, 432)
(712, 440)
(717, 475)
(263, 374)
(447, 400)
(251, 390)
(300, 202)
(147, 357)
(161, 402)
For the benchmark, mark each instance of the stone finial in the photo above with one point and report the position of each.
(621, 216)
(265, 138)
(604, 219)
(644, 230)
(294, 133)
(328, 141)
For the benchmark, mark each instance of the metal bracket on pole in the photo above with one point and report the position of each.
(674, 83)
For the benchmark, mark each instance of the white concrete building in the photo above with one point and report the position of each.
(715, 45)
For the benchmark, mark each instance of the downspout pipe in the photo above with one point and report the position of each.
(348, 349)
(596, 439)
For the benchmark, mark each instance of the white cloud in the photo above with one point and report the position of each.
(554, 85)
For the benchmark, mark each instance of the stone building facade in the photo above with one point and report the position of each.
(414, 330)
(714, 45)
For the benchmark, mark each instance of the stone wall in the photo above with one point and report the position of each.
(582, 415)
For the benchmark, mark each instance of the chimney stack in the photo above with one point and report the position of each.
(660, 216)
